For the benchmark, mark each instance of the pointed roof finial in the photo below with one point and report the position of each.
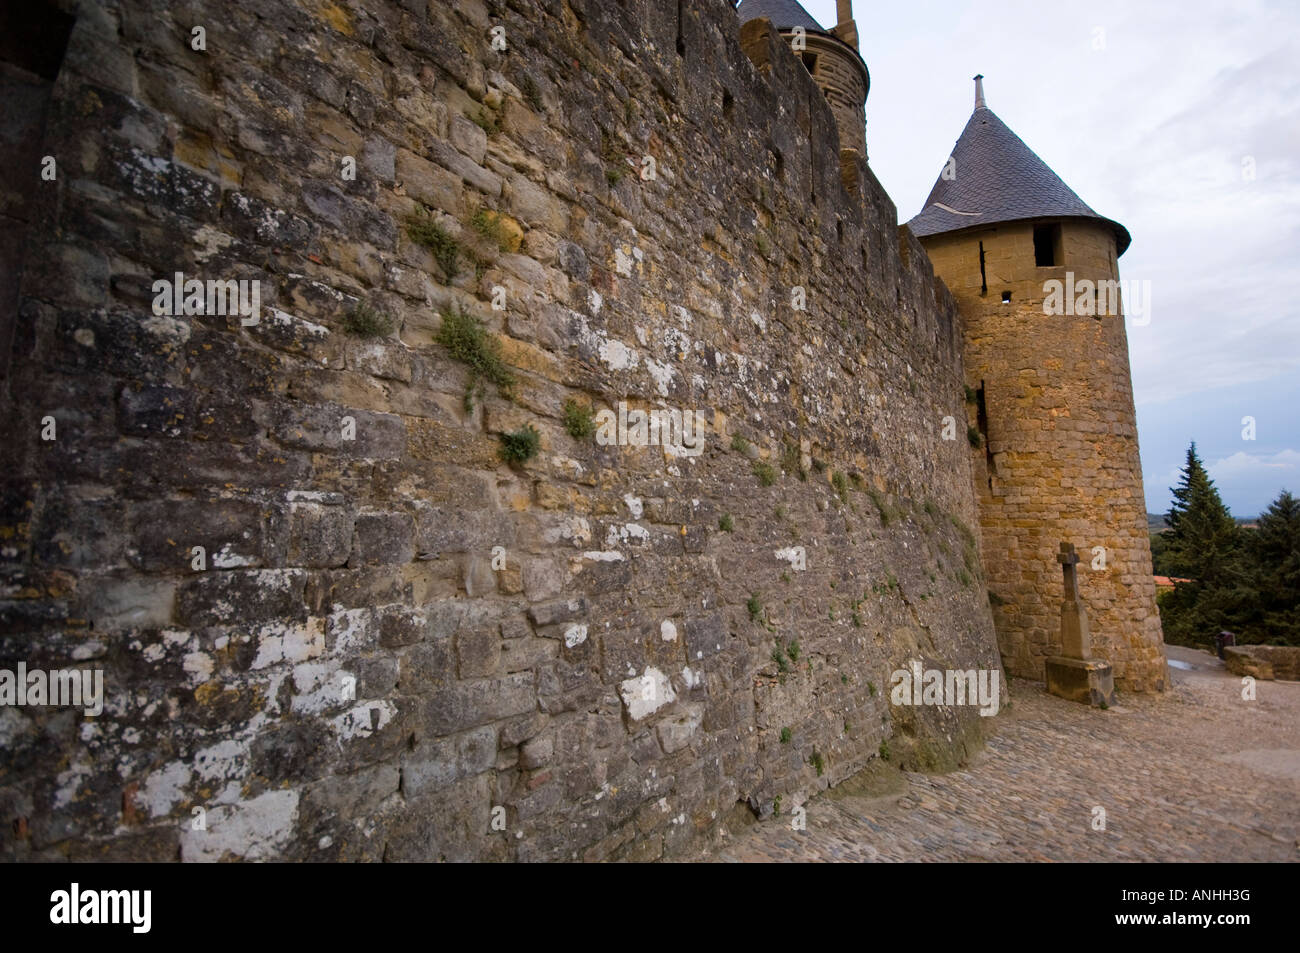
(845, 28)
(979, 92)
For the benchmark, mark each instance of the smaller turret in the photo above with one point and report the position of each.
(831, 57)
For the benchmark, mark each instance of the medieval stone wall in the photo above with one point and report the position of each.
(1059, 460)
(396, 645)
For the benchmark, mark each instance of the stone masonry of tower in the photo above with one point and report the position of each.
(1053, 404)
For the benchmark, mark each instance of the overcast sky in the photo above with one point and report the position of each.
(1155, 113)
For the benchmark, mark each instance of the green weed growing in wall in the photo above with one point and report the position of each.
(489, 225)
(520, 446)
(841, 484)
(579, 420)
(427, 233)
(532, 95)
(468, 342)
(779, 657)
(366, 322)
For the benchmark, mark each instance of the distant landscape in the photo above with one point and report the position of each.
(1157, 523)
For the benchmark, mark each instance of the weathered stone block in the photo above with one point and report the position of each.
(436, 763)
(426, 667)
(473, 703)
(478, 577)
(164, 532)
(554, 613)
(381, 538)
(1261, 661)
(319, 536)
(357, 433)
(156, 410)
(537, 752)
(1088, 681)
(478, 650)
(705, 636)
(469, 138)
(241, 597)
(77, 532)
(400, 625)
(676, 732)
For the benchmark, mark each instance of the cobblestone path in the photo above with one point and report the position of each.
(1195, 775)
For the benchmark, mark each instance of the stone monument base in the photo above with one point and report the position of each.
(1088, 681)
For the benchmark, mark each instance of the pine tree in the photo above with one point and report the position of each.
(1203, 540)
(1275, 559)
(1204, 545)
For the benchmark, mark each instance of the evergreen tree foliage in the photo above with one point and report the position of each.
(1204, 545)
(1275, 565)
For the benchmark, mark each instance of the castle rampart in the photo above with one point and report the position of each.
(333, 621)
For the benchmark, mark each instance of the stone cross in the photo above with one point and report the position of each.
(1068, 559)
(1076, 640)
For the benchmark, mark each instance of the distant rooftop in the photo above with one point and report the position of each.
(784, 14)
(997, 178)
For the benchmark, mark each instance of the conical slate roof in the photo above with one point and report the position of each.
(997, 178)
(784, 14)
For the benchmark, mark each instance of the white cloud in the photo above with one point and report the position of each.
(1242, 463)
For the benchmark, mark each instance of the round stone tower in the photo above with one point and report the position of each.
(831, 57)
(1035, 274)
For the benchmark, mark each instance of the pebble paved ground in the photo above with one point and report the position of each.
(1197, 774)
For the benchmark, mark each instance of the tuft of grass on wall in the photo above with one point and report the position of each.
(489, 120)
(520, 446)
(792, 460)
(841, 484)
(470, 343)
(779, 657)
(488, 224)
(579, 420)
(532, 95)
(427, 233)
(364, 321)
(881, 506)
